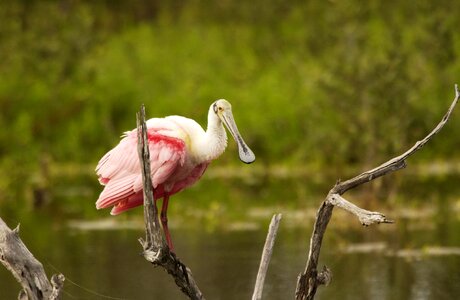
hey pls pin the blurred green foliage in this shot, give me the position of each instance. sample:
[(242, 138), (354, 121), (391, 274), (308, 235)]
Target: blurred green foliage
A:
[(317, 84)]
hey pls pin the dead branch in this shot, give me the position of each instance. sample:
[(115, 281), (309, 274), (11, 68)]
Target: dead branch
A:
[(310, 279), (27, 270), (156, 249), (266, 255), (365, 217)]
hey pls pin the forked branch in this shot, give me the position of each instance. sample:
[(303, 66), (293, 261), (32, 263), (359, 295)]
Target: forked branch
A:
[(310, 279), (156, 249)]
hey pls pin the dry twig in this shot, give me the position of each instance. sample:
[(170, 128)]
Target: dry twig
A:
[(310, 279)]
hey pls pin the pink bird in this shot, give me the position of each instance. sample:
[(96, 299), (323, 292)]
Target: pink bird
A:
[(180, 152)]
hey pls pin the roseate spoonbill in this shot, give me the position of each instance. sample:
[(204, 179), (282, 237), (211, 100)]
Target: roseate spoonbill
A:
[(180, 152)]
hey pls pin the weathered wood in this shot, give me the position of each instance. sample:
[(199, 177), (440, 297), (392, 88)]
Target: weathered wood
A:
[(310, 279), (27, 270), (156, 249), (153, 235), (266, 256), (365, 217)]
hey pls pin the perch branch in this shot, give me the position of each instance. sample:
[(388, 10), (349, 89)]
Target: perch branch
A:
[(266, 255), (27, 270), (154, 238), (310, 279), (156, 249)]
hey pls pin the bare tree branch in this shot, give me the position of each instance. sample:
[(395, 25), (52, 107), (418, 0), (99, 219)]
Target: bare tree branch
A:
[(156, 249), (310, 279), (266, 255), (27, 270), (154, 238), (365, 217), (397, 162)]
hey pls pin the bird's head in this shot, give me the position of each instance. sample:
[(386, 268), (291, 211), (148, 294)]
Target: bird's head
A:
[(223, 109)]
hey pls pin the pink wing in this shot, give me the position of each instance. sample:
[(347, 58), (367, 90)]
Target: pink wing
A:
[(193, 177), (138, 198), (119, 170)]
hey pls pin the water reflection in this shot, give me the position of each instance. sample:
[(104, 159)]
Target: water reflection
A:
[(225, 262)]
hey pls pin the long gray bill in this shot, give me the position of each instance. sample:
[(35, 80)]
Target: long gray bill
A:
[(246, 154)]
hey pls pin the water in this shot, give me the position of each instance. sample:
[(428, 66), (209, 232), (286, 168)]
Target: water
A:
[(381, 262), (219, 228)]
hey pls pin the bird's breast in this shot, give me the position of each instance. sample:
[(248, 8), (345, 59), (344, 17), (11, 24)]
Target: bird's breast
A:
[(185, 176)]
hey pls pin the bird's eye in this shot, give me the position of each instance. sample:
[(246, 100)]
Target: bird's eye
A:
[(220, 108)]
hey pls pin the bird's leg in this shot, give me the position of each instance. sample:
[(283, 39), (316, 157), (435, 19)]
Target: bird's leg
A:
[(164, 221)]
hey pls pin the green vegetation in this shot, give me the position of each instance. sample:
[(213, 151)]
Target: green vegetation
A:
[(332, 84)]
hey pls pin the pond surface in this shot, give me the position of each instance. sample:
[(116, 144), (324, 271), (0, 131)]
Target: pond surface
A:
[(412, 259)]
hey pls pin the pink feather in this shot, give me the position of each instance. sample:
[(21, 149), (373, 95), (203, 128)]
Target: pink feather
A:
[(119, 169)]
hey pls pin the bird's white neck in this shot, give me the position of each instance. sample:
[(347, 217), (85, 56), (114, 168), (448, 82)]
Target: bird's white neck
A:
[(214, 141)]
